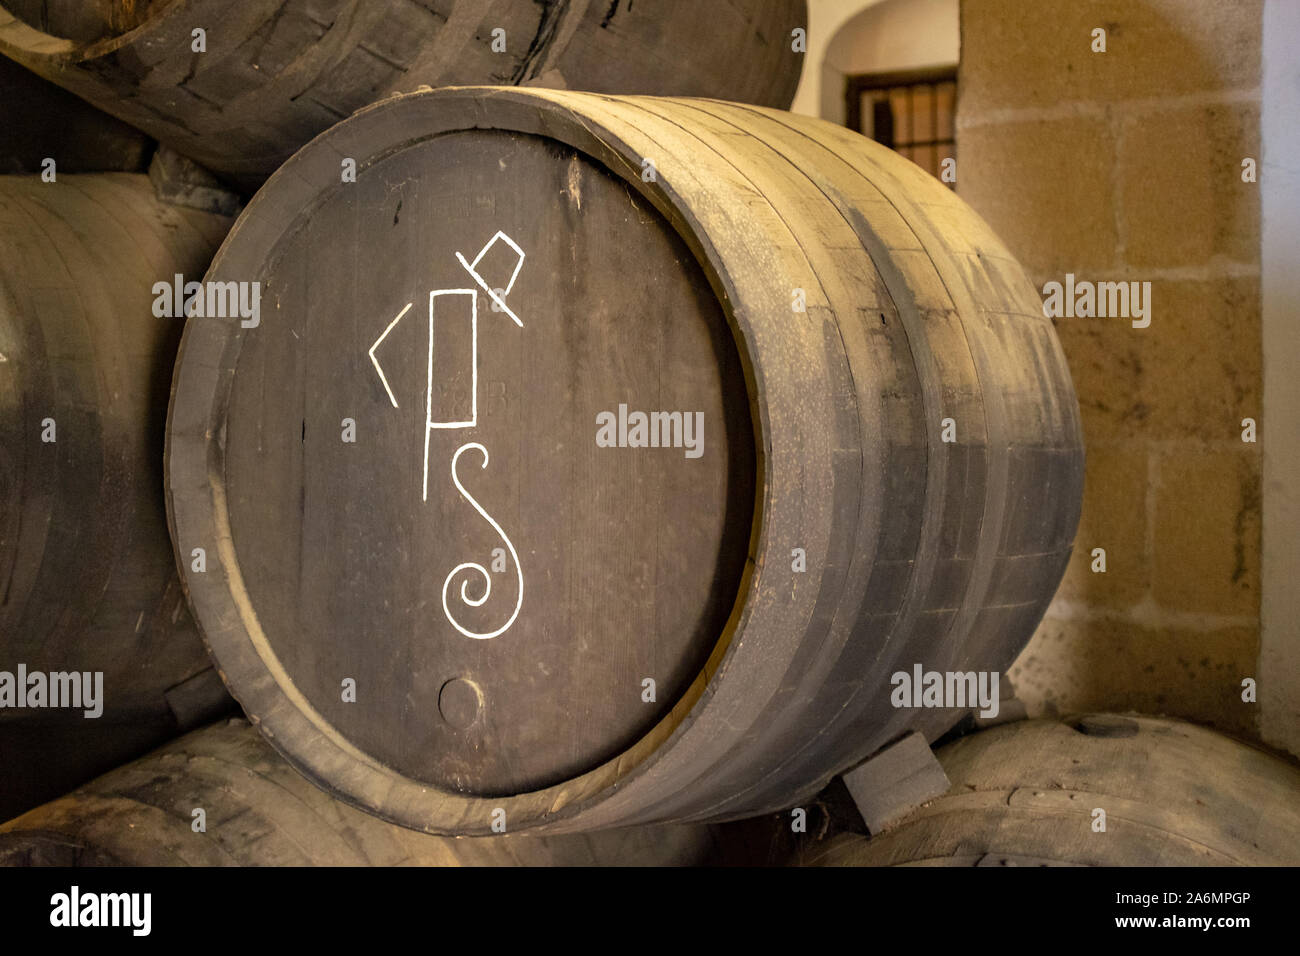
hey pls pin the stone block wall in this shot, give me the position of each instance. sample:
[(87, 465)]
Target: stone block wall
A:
[(1126, 165)]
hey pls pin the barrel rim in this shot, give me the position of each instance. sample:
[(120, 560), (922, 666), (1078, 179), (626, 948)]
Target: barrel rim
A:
[(247, 663), (24, 42)]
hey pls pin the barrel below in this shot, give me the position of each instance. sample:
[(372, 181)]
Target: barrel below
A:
[(255, 810), (1098, 790)]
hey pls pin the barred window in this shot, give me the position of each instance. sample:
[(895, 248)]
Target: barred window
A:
[(910, 112)]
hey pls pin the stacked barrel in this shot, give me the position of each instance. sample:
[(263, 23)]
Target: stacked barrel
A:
[(239, 85), (88, 583), (1094, 790), (541, 456), (400, 482), (222, 797)]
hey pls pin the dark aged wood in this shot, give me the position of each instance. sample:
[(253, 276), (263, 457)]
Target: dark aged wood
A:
[(325, 563), (1024, 794), (259, 812), (631, 560), (39, 121), (87, 577), (277, 72)]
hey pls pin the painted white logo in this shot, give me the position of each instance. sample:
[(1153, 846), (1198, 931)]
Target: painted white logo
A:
[(498, 298), (470, 565), (472, 269)]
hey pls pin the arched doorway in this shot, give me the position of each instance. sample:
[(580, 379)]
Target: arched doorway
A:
[(888, 69)]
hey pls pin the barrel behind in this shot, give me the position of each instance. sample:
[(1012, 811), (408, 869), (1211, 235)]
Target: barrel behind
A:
[(87, 577), (257, 811), (274, 73), (449, 567), (1028, 794)]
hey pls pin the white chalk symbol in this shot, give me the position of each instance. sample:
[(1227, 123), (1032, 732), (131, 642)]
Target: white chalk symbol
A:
[(472, 269), (497, 296), (470, 565)]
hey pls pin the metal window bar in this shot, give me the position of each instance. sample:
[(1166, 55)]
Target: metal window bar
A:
[(884, 122)]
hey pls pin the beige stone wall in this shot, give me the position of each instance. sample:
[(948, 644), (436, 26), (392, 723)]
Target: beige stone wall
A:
[(1126, 165)]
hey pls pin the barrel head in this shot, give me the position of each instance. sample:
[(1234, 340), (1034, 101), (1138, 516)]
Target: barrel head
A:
[(421, 494)]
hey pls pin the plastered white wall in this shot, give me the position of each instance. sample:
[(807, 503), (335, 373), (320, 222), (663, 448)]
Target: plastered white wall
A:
[(865, 36), (1279, 180)]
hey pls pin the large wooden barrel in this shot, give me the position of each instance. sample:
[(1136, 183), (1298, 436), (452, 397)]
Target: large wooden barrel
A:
[(258, 812), (1029, 794), (87, 575), (274, 73), (591, 457)]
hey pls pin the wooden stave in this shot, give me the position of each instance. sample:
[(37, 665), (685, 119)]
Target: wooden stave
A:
[(580, 803), (988, 648), (129, 75), (1026, 791)]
